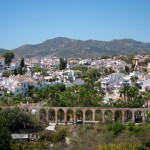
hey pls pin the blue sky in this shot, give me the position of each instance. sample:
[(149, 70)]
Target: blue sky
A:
[(34, 21)]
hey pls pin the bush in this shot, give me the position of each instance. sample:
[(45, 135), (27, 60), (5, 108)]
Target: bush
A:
[(16, 119), (118, 147), (7, 73), (61, 87), (116, 128), (131, 126), (53, 137)]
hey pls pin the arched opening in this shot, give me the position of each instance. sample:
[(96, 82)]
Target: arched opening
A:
[(33, 111), (27, 110), (128, 116), (51, 115), (88, 115), (98, 115), (42, 115), (118, 116), (79, 115), (138, 116), (70, 116), (147, 116), (60, 116), (108, 116)]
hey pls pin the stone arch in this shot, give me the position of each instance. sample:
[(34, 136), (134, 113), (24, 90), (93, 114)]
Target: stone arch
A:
[(128, 116), (108, 116), (138, 116), (118, 116), (79, 114), (88, 115), (42, 115), (51, 115), (98, 115), (70, 115), (60, 114)]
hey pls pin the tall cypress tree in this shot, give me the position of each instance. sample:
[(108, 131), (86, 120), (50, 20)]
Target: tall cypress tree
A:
[(22, 63), (63, 63)]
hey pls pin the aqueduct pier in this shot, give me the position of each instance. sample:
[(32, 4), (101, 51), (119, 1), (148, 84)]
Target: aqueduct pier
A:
[(86, 114)]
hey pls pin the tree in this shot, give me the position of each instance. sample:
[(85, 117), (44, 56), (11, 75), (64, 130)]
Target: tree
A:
[(134, 79), (17, 99), (44, 72), (22, 63), (37, 69), (15, 72), (7, 73), (127, 69), (105, 57), (128, 59), (63, 63), (8, 57), (16, 119), (55, 137), (61, 87), (93, 74), (5, 135), (20, 71), (146, 61)]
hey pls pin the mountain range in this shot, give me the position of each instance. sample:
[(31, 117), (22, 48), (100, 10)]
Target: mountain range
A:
[(65, 47)]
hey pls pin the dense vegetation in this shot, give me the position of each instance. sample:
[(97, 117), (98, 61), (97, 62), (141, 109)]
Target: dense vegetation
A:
[(18, 121), (110, 137), (101, 137), (86, 95), (95, 137)]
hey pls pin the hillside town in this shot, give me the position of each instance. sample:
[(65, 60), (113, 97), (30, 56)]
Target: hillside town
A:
[(115, 72)]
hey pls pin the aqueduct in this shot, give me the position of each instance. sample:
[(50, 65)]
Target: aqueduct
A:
[(86, 114)]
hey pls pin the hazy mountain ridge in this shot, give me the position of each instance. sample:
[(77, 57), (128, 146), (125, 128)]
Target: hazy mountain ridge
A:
[(66, 47), (2, 51)]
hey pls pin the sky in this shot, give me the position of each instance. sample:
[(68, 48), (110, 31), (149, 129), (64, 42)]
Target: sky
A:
[(34, 21)]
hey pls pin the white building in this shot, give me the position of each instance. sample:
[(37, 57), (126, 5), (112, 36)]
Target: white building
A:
[(2, 64), (17, 84), (14, 65), (111, 81)]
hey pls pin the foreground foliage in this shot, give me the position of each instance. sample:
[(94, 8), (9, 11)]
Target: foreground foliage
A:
[(5, 134), (118, 147), (16, 119)]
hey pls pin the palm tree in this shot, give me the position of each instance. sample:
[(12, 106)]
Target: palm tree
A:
[(134, 80), (17, 99)]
